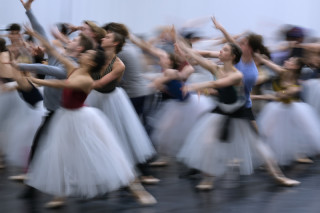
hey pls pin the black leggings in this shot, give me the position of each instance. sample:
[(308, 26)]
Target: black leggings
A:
[(38, 134)]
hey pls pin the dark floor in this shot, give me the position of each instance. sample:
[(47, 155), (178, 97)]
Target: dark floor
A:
[(256, 193)]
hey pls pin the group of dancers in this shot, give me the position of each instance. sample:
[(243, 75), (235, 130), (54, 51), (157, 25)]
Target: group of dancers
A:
[(89, 120)]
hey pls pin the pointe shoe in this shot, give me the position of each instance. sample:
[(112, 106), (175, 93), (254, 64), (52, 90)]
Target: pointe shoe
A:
[(149, 180), (18, 178), (284, 181), (204, 187), (158, 163), (56, 203), (304, 160), (145, 198), (206, 184)]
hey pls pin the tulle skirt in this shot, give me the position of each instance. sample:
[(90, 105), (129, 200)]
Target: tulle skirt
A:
[(206, 151), (118, 108), (175, 119), (311, 93), (291, 130), (19, 123), (79, 156)]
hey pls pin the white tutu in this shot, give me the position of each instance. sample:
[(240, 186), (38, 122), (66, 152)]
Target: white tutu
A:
[(311, 93), (175, 119), (291, 130), (205, 151), (118, 108), (20, 123), (79, 156)]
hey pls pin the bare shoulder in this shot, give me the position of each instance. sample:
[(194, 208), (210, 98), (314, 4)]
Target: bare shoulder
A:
[(119, 64), (238, 73), (84, 79), (5, 57)]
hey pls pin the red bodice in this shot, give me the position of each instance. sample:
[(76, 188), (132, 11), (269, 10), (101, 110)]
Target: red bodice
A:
[(73, 99)]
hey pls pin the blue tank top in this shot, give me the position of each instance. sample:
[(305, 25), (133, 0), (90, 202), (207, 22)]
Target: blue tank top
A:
[(174, 89), (250, 75)]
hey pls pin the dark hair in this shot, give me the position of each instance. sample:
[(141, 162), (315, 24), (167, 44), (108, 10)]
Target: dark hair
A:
[(14, 27), (3, 47), (62, 27), (294, 33), (300, 64), (30, 39), (120, 32), (255, 41), (174, 61), (236, 51), (99, 60), (86, 42)]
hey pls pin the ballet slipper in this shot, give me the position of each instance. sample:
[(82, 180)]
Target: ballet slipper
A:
[(304, 160), (18, 178), (143, 197), (55, 203), (158, 163), (284, 181), (149, 180), (206, 184)]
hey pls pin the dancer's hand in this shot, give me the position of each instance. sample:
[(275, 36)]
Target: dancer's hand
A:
[(157, 84), (28, 30), (73, 28), (217, 25), (27, 5), (186, 89)]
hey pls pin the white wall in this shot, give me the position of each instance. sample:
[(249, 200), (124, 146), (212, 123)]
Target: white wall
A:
[(142, 16)]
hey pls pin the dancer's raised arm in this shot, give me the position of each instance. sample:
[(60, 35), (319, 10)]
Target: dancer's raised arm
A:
[(64, 60)]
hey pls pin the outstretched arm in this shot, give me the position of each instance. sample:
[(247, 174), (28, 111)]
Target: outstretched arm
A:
[(218, 26), (43, 69), (33, 20), (116, 73), (64, 60), (208, 53), (314, 47), (205, 63), (36, 26), (148, 47), (268, 97), (79, 83), (5, 68), (233, 79), (278, 69)]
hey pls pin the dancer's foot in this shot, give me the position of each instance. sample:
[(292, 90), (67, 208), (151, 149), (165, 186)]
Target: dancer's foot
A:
[(149, 180), (18, 178), (2, 165), (304, 160), (158, 163), (284, 181), (55, 203), (143, 197), (206, 184)]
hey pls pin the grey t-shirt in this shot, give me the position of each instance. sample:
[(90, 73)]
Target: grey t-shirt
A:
[(133, 81)]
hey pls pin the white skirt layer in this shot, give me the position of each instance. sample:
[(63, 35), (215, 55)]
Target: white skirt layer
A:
[(311, 93), (204, 150), (118, 108), (175, 119), (19, 123), (79, 156), (291, 130)]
